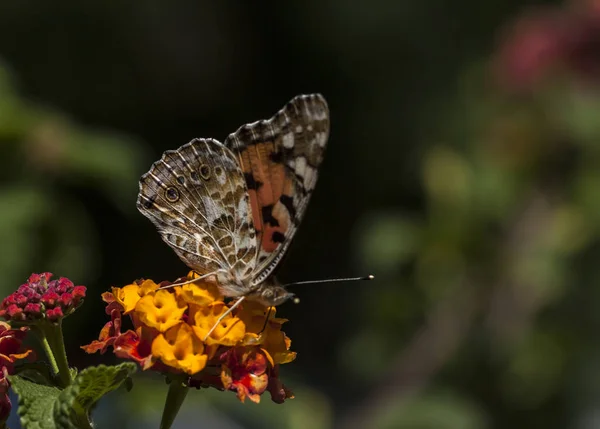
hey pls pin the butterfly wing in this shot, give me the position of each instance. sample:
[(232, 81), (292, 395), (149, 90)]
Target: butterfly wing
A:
[(196, 197), (279, 158)]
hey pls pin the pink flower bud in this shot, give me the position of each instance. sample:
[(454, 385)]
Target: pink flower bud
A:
[(54, 314), (50, 298)]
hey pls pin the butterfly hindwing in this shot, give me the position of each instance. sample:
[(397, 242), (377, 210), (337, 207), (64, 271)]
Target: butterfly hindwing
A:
[(196, 196), (279, 159)]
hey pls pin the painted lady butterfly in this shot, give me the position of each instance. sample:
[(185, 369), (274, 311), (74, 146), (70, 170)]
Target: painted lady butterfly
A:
[(230, 210)]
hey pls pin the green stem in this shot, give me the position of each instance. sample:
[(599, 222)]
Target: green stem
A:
[(51, 337), (175, 398), (47, 349)]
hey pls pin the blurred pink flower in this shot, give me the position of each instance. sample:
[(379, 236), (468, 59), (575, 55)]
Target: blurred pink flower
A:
[(545, 42)]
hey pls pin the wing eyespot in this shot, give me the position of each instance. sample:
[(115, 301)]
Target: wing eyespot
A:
[(205, 172), (172, 194)]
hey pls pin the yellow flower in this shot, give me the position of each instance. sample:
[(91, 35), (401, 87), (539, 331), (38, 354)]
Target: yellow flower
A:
[(253, 314), (147, 286), (199, 293), (128, 296), (277, 344), (160, 310), (229, 331), (268, 335), (180, 349)]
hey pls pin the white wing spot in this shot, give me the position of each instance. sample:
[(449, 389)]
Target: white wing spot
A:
[(221, 178), (320, 114), (321, 139), (309, 174), (288, 140), (299, 128), (300, 166)]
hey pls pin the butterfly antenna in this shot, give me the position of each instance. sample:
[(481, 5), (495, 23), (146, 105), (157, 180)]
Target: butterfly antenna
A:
[(348, 279)]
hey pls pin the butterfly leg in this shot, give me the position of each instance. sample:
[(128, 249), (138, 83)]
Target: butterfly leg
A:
[(229, 310), (266, 321), (188, 281)]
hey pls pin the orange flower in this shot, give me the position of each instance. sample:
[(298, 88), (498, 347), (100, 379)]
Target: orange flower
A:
[(129, 295), (131, 345), (160, 310), (5, 404), (193, 293), (11, 350), (109, 333), (245, 372), (230, 330), (11, 347), (268, 335), (180, 349), (169, 327)]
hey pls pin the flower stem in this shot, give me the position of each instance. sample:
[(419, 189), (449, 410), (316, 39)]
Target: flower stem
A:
[(175, 397), (51, 337), (47, 349)]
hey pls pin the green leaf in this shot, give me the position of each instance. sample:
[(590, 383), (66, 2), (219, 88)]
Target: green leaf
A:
[(90, 385), (37, 372), (36, 403), (47, 407)]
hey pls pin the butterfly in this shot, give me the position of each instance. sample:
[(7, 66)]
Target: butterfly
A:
[(230, 210)]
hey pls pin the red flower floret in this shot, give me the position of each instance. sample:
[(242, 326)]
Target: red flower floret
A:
[(11, 350), (244, 371)]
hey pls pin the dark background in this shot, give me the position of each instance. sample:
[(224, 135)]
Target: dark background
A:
[(462, 170)]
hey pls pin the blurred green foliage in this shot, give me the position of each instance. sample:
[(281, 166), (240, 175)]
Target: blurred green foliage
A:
[(43, 153)]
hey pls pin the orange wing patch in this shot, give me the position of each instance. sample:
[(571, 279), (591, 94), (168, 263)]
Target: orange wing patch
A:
[(267, 183), (280, 158)]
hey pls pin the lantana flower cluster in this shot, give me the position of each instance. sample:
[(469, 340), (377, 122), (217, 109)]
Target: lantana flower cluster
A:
[(41, 298), (34, 303), (242, 354)]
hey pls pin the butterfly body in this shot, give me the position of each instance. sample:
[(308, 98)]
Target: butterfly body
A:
[(231, 209)]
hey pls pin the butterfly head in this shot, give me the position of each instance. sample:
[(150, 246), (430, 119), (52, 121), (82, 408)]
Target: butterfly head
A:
[(270, 293)]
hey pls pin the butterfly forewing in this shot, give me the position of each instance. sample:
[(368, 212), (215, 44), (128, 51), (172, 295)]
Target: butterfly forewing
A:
[(233, 208), (279, 159), (196, 196)]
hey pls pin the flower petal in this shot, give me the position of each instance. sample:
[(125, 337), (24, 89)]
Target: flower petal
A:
[(199, 293), (131, 345), (244, 371), (160, 310), (180, 349), (229, 331), (127, 296), (108, 334), (279, 393)]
